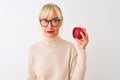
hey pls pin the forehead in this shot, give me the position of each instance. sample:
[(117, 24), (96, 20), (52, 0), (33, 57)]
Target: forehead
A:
[(51, 15)]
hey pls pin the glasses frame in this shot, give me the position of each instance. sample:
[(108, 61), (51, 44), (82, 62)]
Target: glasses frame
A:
[(50, 21)]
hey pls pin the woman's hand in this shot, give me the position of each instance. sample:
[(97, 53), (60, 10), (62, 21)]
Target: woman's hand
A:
[(82, 43)]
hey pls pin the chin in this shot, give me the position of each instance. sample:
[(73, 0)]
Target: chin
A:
[(50, 36)]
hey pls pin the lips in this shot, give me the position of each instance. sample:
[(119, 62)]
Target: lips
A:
[(50, 31)]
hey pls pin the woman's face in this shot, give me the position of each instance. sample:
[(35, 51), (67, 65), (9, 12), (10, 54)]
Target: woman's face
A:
[(50, 30)]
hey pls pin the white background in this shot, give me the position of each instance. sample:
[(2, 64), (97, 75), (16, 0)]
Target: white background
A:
[(19, 29)]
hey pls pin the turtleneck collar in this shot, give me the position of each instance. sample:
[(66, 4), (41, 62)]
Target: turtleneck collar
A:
[(51, 42)]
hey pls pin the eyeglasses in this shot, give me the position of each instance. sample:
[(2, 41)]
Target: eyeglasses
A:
[(53, 22)]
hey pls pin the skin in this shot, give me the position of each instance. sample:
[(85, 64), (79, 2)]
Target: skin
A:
[(82, 43), (55, 30)]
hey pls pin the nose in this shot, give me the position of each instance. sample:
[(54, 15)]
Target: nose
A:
[(49, 25)]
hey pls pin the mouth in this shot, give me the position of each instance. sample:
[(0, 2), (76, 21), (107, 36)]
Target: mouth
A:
[(50, 31)]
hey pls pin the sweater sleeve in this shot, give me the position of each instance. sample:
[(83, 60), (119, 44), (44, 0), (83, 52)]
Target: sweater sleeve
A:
[(31, 74), (78, 65)]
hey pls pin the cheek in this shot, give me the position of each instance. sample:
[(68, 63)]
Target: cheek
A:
[(43, 29), (57, 29)]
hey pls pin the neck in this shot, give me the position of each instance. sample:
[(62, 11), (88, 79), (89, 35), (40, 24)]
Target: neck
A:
[(50, 41)]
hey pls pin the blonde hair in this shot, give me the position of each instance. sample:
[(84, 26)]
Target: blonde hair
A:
[(48, 9)]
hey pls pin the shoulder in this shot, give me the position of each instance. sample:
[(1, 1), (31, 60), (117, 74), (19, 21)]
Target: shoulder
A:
[(67, 43), (70, 47), (35, 45)]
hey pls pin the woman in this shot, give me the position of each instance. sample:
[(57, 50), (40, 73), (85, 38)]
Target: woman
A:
[(54, 58)]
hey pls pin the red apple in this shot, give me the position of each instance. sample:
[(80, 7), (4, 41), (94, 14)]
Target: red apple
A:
[(76, 32)]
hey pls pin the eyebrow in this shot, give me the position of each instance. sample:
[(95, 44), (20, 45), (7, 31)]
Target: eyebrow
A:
[(53, 18)]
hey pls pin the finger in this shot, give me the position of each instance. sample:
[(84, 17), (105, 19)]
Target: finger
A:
[(78, 40), (83, 35), (86, 34)]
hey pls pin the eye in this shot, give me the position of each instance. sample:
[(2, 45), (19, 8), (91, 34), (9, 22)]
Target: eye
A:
[(55, 20), (43, 20)]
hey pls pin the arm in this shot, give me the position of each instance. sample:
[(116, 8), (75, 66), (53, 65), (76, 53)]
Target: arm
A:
[(78, 65), (81, 63), (78, 71), (31, 74)]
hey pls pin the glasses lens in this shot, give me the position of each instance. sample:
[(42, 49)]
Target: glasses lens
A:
[(44, 22), (55, 22)]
